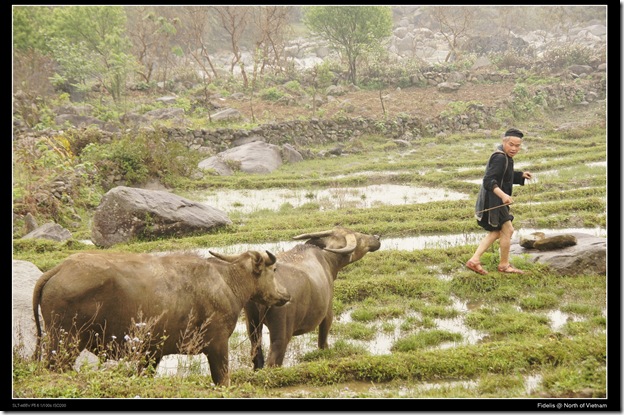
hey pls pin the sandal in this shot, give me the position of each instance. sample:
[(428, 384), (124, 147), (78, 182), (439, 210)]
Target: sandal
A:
[(509, 269), (476, 267)]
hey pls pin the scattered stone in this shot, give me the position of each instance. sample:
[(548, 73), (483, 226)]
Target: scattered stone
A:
[(50, 230), (254, 157), (86, 360), (24, 277), (31, 222), (555, 242), (448, 86)]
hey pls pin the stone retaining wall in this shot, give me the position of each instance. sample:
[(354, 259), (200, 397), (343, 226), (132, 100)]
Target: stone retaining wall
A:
[(318, 131), (315, 131)]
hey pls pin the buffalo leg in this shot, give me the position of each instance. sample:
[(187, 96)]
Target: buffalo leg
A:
[(254, 331), (218, 355), (324, 331), (277, 350)]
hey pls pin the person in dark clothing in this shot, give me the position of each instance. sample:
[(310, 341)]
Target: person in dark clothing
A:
[(492, 206)]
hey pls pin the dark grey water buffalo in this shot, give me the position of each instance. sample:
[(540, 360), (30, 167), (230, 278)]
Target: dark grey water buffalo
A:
[(106, 292), (308, 272)]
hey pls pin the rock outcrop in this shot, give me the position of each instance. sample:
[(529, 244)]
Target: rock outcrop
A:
[(587, 256), (127, 213), (52, 231), (254, 157), (24, 277)]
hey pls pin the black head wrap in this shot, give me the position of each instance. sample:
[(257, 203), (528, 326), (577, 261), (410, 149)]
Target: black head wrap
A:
[(514, 132)]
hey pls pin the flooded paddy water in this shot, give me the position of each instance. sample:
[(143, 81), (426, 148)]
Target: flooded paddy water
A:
[(248, 201)]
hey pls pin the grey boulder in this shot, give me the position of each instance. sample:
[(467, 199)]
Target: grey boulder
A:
[(127, 213)]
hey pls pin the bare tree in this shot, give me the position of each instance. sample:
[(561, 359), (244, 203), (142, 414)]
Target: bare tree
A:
[(143, 44), (197, 34), (234, 20), (270, 25), (151, 34), (455, 23)]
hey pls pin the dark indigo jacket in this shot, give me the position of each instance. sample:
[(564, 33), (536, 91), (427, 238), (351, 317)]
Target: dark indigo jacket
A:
[(498, 172)]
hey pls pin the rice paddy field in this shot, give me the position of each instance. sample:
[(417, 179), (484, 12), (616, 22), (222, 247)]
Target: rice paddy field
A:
[(412, 324)]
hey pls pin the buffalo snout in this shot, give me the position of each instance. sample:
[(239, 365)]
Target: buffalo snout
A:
[(283, 297), (375, 243), (272, 295)]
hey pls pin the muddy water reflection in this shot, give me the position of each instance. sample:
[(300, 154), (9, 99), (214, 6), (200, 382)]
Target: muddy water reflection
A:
[(558, 319), (457, 325), (372, 390)]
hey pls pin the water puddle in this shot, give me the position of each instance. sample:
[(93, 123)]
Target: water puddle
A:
[(387, 173), (182, 365), (531, 383), (248, 201), (372, 390), (567, 169), (383, 340), (410, 243), (558, 319), (457, 325)]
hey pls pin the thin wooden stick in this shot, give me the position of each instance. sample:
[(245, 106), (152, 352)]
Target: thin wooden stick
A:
[(492, 208)]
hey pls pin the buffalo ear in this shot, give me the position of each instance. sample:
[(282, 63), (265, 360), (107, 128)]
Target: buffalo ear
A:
[(257, 262)]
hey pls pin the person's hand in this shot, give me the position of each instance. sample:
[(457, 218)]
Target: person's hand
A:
[(527, 175), (507, 200)]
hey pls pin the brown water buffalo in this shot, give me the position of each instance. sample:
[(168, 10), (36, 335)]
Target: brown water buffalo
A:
[(105, 292), (307, 272)]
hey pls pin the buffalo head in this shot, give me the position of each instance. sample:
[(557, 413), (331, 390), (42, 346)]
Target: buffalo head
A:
[(262, 266), (343, 241)]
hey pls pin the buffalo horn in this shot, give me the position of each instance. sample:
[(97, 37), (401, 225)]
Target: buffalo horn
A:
[(350, 247), (272, 258), (224, 257), (314, 235)]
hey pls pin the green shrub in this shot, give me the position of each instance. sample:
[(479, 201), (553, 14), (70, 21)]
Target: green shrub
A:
[(570, 54), (294, 86), (271, 94), (136, 159)]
